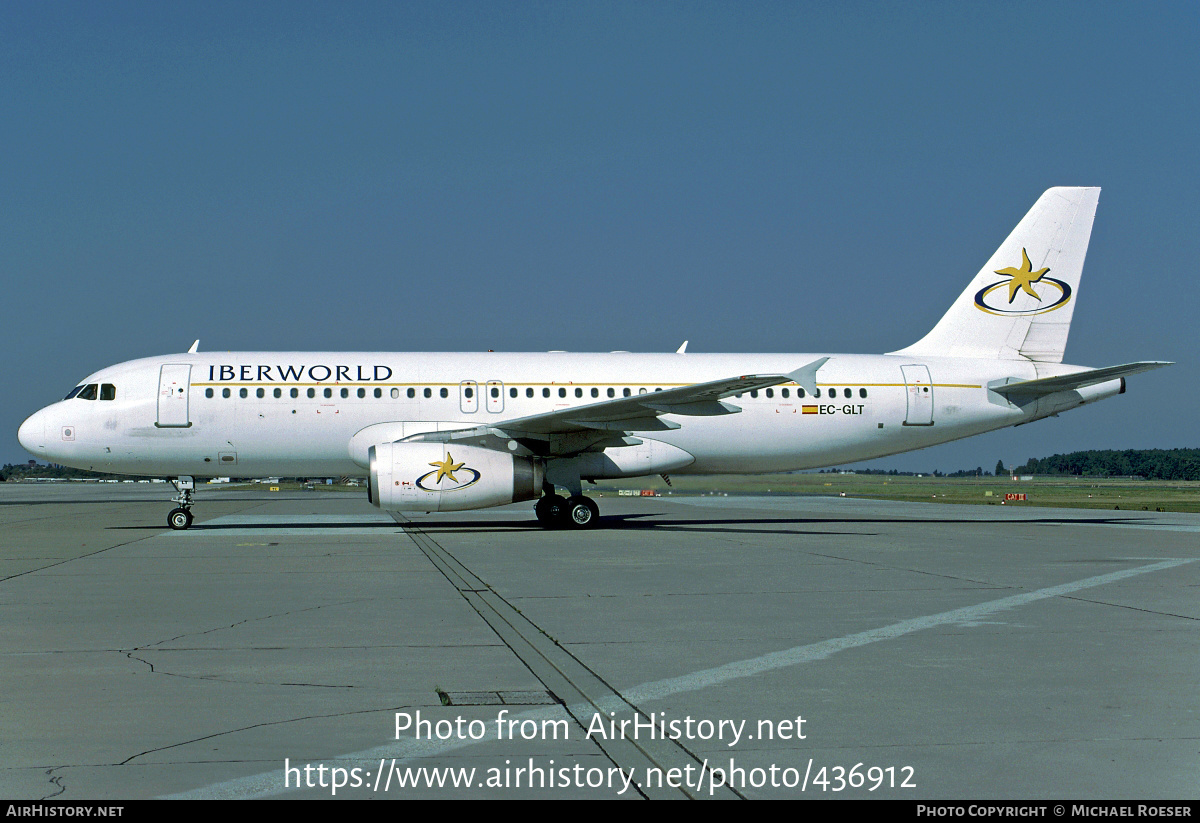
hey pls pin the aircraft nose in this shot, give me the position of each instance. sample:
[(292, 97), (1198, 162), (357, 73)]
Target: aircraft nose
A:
[(32, 434)]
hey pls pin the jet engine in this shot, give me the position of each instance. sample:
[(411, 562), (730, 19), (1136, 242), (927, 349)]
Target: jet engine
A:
[(445, 477)]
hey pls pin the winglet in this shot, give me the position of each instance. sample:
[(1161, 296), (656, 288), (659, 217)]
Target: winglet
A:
[(195, 347), (682, 349), (806, 376)]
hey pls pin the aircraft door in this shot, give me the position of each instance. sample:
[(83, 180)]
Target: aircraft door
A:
[(174, 383), (468, 396), (919, 389), (495, 396)]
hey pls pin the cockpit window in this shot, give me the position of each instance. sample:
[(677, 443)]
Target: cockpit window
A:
[(74, 392), (108, 391), (88, 393)]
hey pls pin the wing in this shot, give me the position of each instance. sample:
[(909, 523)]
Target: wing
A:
[(597, 425), (1077, 380)]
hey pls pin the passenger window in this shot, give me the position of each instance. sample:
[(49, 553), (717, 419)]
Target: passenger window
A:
[(261, 393), (224, 392), (786, 394), (329, 392), (379, 393), (529, 392), (396, 393), (346, 392), (799, 392), (862, 392), (428, 393), (208, 392), (595, 392), (295, 392), (562, 392), (627, 393), (77, 390), (770, 392), (88, 393), (512, 392), (545, 392), (754, 392), (411, 393), (444, 393), (278, 392), (817, 393), (847, 393), (362, 393), (312, 392), (108, 391), (243, 393), (495, 392), (612, 392), (469, 393), (641, 391), (579, 392)]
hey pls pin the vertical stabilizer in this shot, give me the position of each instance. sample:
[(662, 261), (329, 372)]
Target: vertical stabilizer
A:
[(1020, 304)]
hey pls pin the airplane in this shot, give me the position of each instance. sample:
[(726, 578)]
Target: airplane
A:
[(457, 431)]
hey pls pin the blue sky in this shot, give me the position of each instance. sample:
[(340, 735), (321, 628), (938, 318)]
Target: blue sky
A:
[(810, 177)]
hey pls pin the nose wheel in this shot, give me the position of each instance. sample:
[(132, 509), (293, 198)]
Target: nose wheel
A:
[(181, 517)]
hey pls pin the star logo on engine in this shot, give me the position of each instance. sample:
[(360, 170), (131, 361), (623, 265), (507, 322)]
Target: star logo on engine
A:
[(447, 468)]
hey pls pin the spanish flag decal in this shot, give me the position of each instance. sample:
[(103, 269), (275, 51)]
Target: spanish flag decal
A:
[(810, 409)]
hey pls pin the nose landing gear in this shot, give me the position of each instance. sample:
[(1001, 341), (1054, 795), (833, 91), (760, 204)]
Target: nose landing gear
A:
[(181, 516)]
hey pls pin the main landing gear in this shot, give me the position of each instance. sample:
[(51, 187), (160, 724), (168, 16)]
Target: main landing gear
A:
[(181, 517), (575, 512)]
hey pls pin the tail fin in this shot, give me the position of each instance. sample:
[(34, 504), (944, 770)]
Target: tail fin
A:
[(1020, 304)]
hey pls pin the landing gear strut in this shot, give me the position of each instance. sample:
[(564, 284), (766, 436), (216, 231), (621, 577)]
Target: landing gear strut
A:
[(181, 517)]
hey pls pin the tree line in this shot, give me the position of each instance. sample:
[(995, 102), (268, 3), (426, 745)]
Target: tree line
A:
[(1152, 464)]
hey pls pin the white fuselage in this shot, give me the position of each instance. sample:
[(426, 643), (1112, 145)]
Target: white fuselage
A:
[(221, 415)]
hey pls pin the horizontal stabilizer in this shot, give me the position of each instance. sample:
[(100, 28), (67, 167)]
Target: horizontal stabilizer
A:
[(1078, 380)]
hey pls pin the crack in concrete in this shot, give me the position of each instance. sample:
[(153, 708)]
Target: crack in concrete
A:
[(131, 758), (878, 565), (217, 679), (251, 620), (55, 780), (1132, 608), (73, 559)]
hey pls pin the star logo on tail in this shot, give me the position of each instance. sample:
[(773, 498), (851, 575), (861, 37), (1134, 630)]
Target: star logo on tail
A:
[(1023, 278), (990, 298)]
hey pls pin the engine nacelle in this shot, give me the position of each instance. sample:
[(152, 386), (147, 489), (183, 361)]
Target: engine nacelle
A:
[(446, 477)]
